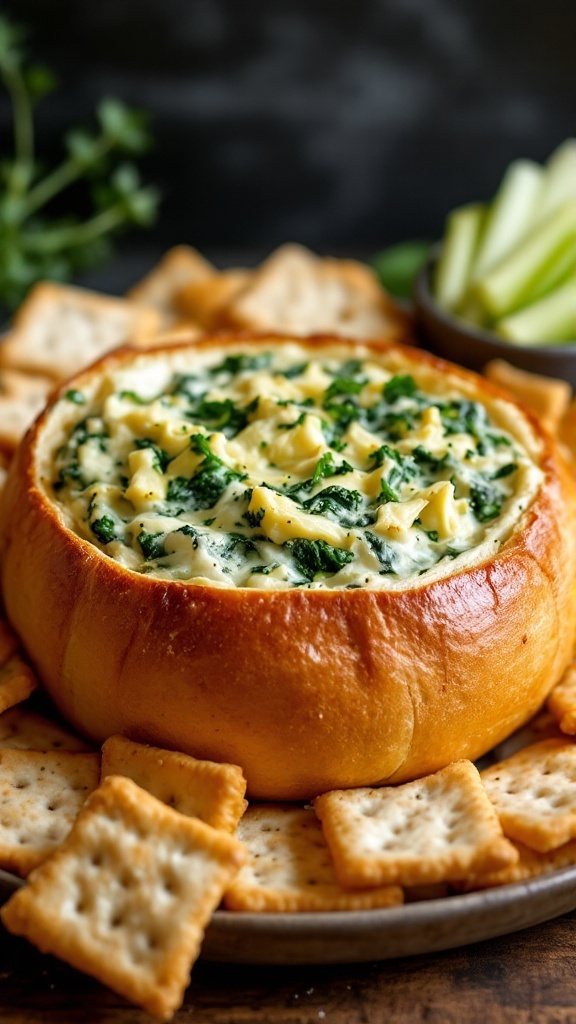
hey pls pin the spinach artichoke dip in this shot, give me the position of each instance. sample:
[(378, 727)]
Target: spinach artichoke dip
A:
[(283, 466)]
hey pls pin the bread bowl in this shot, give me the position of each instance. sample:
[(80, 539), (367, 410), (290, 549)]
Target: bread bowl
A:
[(329, 563)]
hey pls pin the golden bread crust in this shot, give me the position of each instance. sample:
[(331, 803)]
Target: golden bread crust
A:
[(307, 690)]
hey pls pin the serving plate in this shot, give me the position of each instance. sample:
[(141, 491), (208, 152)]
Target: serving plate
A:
[(368, 935)]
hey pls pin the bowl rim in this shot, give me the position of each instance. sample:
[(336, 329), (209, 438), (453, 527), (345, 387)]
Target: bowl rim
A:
[(424, 300)]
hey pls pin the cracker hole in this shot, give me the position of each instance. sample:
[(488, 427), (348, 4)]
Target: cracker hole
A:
[(23, 840), (97, 859), (54, 805), (117, 921), (370, 812), (80, 906), (21, 784)]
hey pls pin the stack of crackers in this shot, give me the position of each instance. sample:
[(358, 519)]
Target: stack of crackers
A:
[(126, 852), (60, 330)]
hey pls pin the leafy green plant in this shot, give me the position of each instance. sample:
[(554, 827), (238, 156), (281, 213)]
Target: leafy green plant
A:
[(34, 242)]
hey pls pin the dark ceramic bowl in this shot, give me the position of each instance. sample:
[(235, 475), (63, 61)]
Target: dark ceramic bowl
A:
[(473, 347)]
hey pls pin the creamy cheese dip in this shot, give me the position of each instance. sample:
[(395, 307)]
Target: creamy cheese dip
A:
[(276, 467)]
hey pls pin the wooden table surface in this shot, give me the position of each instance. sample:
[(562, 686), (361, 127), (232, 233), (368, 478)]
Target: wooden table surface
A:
[(526, 978)]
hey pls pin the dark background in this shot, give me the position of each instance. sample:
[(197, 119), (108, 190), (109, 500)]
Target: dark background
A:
[(343, 124)]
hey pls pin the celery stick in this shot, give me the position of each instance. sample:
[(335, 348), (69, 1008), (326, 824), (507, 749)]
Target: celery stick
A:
[(509, 214), (552, 319), (558, 182), (560, 270), (471, 311), (461, 236), (504, 287)]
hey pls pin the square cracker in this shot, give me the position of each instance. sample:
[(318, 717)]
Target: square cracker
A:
[(206, 299), (60, 329), (22, 397), (299, 293), (199, 789), (127, 896), (562, 701), (436, 829), (290, 867), (40, 795), (530, 864), (179, 267), (21, 729), (534, 793), (17, 682)]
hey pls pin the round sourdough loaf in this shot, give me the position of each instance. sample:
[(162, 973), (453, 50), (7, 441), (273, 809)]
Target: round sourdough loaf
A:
[(308, 686)]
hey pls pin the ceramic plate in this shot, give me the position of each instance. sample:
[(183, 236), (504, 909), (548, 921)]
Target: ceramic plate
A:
[(368, 935)]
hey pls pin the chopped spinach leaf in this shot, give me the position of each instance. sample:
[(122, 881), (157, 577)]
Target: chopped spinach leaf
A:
[(104, 529), (291, 372), (404, 469), (342, 386), (393, 424), (265, 570), (433, 462), (485, 500), (132, 396), (71, 472), (208, 484), (316, 556), (242, 362), (498, 439), (189, 531), (461, 416), (383, 551), (507, 470), (224, 416), (351, 368), (338, 503), (254, 518), (342, 414), (387, 493), (161, 458), (294, 423), (200, 491), (325, 467), (152, 545), (73, 395), (199, 444), (399, 386)]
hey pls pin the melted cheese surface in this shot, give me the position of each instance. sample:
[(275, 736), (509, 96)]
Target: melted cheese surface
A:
[(276, 467)]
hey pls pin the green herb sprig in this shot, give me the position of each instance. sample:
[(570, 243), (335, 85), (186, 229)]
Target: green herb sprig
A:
[(35, 244)]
